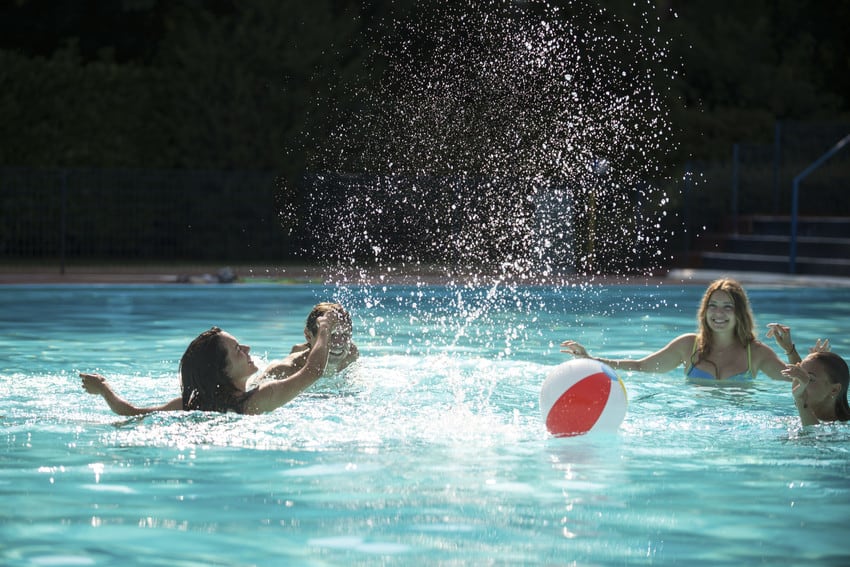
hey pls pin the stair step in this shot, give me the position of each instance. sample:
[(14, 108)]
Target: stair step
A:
[(776, 244), (762, 243), (838, 227), (775, 263)]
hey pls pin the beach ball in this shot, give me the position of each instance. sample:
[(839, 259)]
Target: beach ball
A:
[(582, 395)]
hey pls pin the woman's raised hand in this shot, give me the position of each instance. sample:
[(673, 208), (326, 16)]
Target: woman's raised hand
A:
[(782, 334), (574, 348)]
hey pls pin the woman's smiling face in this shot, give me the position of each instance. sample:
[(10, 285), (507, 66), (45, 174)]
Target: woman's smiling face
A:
[(720, 314)]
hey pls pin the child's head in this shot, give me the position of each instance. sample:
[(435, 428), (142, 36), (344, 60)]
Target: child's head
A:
[(327, 307), (340, 340)]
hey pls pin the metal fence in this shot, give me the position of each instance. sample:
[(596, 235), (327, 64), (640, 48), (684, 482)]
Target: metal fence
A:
[(94, 215), (57, 214), (109, 214), (758, 178)]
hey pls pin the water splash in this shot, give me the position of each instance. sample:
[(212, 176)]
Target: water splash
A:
[(508, 144)]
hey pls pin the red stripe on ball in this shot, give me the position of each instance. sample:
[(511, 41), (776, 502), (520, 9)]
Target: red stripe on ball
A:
[(577, 410)]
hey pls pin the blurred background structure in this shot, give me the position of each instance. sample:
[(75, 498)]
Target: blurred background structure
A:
[(195, 130)]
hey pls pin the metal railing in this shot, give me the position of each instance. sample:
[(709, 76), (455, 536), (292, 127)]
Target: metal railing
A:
[(795, 198)]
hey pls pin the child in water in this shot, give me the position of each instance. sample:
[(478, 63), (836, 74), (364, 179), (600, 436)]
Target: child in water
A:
[(342, 351), (819, 386)]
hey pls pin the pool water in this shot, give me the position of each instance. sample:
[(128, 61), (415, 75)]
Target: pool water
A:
[(429, 450)]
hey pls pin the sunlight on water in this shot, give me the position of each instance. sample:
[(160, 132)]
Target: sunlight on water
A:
[(425, 451)]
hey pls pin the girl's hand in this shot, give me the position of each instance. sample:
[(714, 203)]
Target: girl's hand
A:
[(799, 382), (820, 346), (574, 348), (327, 323), (93, 383)]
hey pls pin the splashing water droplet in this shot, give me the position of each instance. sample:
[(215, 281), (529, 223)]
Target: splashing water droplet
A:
[(508, 143)]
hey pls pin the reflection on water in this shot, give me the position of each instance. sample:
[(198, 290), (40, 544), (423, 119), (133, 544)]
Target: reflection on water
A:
[(421, 452)]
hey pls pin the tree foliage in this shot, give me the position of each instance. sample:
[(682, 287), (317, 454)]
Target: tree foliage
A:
[(747, 65), (227, 84)]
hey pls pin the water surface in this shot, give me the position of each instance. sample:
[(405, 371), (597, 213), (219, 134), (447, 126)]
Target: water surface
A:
[(430, 450)]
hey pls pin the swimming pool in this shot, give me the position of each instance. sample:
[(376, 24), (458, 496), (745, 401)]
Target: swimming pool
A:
[(430, 450)]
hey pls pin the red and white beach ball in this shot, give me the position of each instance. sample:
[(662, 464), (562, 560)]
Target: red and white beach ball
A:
[(582, 395)]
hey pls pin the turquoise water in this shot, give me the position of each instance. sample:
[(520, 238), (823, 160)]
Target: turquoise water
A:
[(430, 450)]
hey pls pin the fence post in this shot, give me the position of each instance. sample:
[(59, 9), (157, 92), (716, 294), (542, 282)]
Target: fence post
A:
[(777, 162), (63, 181), (736, 154)]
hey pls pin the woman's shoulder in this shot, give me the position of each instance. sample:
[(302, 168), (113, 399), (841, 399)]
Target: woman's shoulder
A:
[(687, 339), (681, 346)]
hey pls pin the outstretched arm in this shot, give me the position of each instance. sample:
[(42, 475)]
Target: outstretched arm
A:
[(272, 394), (664, 360), (280, 369), (767, 360), (96, 384)]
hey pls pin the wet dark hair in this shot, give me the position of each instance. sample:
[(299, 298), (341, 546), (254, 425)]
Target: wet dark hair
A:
[(836, 370), (206, 384)]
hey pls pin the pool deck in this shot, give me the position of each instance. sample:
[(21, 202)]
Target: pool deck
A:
[(295, 274)]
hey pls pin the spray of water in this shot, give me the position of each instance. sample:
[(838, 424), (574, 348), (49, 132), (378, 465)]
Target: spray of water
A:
[(509, 144)]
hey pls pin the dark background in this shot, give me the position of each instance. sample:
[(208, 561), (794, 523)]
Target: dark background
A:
[(222, 107)]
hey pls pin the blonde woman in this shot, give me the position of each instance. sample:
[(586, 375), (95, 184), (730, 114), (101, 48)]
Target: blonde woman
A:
[(724, 348)]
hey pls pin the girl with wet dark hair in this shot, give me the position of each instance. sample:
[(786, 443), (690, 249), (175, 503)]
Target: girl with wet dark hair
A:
[(215, 370), (819, 386)]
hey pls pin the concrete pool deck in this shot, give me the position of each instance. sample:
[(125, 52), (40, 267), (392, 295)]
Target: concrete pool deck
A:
[(294, 274)]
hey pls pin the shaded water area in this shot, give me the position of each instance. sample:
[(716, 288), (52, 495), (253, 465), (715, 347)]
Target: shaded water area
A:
[(429, 450)]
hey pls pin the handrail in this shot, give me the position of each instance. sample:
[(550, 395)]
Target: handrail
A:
[(795, 198)]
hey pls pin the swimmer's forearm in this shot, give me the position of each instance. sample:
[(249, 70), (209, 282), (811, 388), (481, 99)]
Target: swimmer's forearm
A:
[(119, 405), (273, 394), (652, 363), (96, 384), (280, 369), (317, 360), (623, 364), (793, 355)]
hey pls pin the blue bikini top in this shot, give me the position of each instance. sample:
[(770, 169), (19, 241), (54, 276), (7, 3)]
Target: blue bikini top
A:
[(747, 376)]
